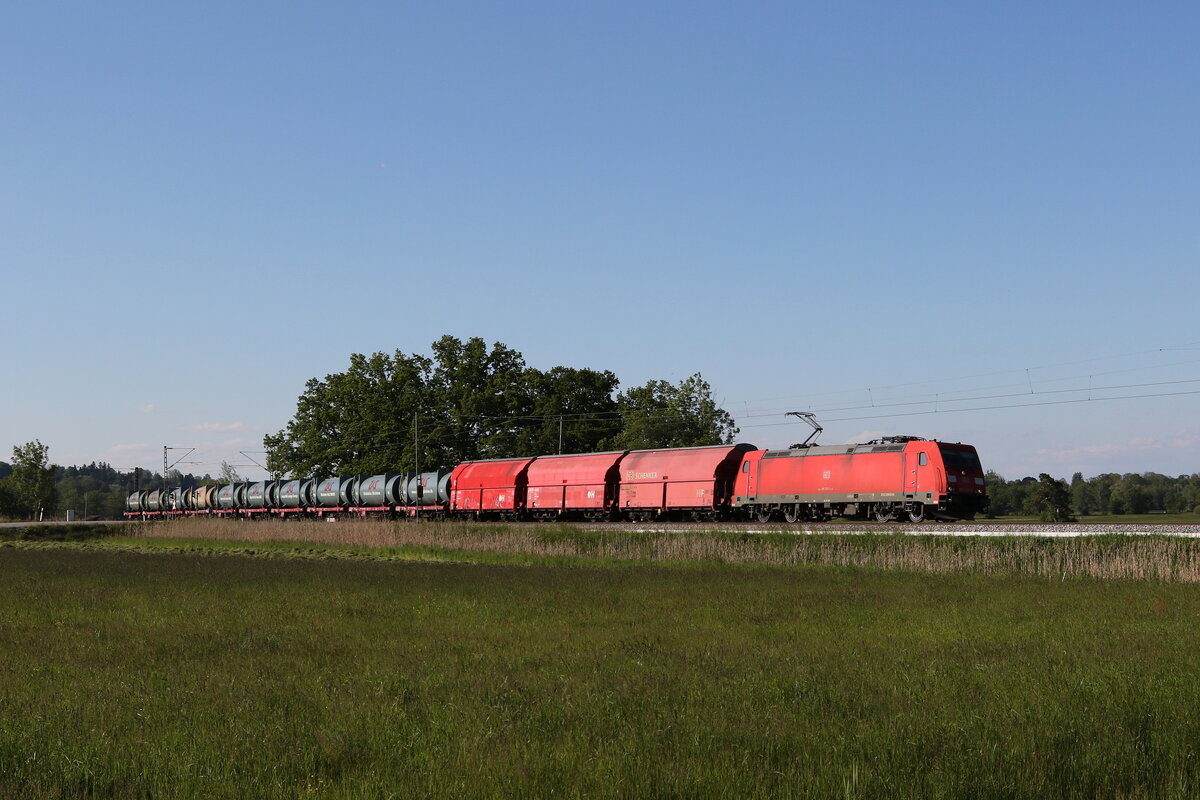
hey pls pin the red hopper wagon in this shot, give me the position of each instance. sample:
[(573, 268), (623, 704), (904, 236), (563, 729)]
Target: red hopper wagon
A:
[(697, 481), (584, 484), (489, 488)]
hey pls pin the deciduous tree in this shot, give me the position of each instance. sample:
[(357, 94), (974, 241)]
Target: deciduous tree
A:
[(471, 401), (32, 479), (660, 414), (576, 403), (1053, 499), (229, 474), (357, 421)]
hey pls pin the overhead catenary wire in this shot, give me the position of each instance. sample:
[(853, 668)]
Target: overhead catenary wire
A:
[(990, 408), (1039, 367), (971, 393), (939, 400)]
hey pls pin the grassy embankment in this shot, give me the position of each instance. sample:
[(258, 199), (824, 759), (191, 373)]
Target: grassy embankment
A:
[(1160, 558), (166, 673)]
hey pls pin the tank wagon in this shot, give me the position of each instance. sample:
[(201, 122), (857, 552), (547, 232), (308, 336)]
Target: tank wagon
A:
[(894, 479), (358, 495)]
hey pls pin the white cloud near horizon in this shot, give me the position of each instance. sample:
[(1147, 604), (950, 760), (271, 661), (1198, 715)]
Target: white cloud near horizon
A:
[(214, 427), (1081, 456)]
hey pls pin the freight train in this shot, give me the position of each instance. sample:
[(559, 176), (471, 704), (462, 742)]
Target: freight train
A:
[(892, 479)]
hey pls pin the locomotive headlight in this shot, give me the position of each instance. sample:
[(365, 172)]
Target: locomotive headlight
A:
[(979, 481), (952, 478)]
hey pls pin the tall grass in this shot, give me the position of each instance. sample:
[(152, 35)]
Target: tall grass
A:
[(1111, 557)]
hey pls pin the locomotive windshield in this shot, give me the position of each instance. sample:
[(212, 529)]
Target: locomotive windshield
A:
[(961, 459)]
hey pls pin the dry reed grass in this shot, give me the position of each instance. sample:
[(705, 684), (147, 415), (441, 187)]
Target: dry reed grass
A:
[(1111, 557)]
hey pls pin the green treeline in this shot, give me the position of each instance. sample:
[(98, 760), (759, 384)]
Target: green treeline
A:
[(94, 490), (468, 401), (1109, 493)]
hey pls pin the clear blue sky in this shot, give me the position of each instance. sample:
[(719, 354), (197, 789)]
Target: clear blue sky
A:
[(816, 205)]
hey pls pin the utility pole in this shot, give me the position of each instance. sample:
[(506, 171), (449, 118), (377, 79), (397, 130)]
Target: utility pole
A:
[(137, 487), (166, 486), (560, 429), (417, 466)]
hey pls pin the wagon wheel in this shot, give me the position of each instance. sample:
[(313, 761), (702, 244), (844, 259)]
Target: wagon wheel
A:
[(916, 513), (762, 513), (883, 513), (791, 513)]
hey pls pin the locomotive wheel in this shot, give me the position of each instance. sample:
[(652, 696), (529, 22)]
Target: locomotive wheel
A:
[(916, 513), (883, 514), (762, 514), (791, 513)]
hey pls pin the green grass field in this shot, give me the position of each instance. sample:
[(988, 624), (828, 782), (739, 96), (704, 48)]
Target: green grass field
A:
[(151, 668), (173, 674)]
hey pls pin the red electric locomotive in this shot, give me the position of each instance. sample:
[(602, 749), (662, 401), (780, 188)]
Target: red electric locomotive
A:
[(888, 479)]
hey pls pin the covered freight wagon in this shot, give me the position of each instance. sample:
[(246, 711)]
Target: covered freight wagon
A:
[(489, 488), (697, 481), (585, 484)]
